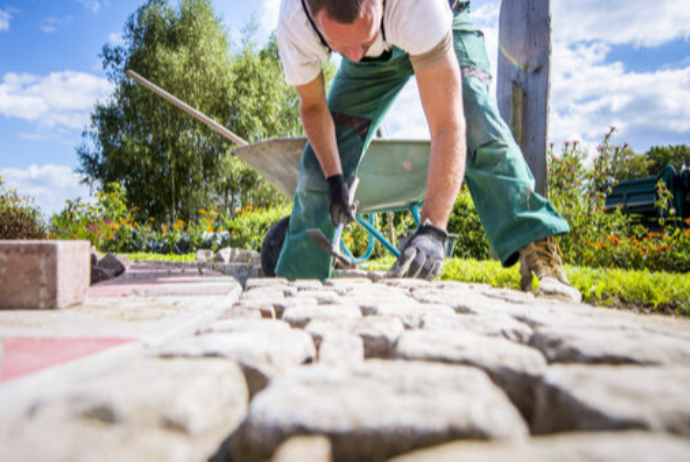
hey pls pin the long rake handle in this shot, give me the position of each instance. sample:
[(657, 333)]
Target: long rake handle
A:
[(187, 108)]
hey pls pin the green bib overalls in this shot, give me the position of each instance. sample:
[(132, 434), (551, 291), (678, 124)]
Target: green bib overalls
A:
[(496, 173)]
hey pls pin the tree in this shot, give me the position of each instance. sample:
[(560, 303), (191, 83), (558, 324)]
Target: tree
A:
[(661, 156), (170, 164)]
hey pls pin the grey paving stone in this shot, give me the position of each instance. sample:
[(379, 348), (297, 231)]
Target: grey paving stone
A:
[(377, 410), (515, 368), (348, 285), (609, 346), (300, 316), (498, 325), (265, 307), (307, 284), (241, 313), (340, 349), (245, 325), (263, 293), (177, 394), (586, 398), (410, 314), (407, 283), (262, 355), (378, 333), (576, 447), (304, 448), (255, 283), (87, 441), (282, 305), (368, 300)]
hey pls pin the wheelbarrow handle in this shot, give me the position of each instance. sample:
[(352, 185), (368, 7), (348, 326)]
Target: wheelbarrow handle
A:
[(187, 108)]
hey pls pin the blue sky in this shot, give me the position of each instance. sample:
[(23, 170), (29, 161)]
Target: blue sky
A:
[(619, 62)]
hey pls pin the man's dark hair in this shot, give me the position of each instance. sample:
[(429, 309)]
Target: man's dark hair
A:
[(342, 11)]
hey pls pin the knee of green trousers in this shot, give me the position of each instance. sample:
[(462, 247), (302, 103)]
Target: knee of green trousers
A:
[(500, 182)]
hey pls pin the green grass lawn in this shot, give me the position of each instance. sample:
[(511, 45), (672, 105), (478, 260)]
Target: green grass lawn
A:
[(640, 290)]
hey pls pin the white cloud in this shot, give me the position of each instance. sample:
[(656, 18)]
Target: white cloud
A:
[(588, 92), (116, 39), (4, 20), (59, 99), (50, 25), (93, 5), (49, 185), (269, 15), (637, 22)]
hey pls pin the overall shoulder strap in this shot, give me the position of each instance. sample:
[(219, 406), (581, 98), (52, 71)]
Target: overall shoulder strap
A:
[(313, 25)]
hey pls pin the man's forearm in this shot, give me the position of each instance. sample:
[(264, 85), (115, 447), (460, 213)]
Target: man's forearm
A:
[(446, 171), (320, 130)]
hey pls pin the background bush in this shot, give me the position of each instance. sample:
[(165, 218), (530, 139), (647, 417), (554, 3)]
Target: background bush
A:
[(19, 217)]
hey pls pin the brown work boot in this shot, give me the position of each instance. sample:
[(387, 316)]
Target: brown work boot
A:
[(542, 258)]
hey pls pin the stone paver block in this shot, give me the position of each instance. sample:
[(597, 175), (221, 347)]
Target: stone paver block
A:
[(264, 307), (300, 316), (262, 355), (306, 284), (282, 305), (411, 315), (348, 285), (270, 293), (204, 256), (85, 440), (341, 349), (304, 448), (515, 368), (378, 333), (180, 395), (498, 325), (245, 325), (577, 447), (43, 275), (238, 312), (585, 398), (610, 346), (377, 409), (255, 283), (407, 284)]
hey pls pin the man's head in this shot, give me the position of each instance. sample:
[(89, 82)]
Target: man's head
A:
[(349, 26)]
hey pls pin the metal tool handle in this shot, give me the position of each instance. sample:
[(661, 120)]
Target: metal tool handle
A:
[(187, 108)]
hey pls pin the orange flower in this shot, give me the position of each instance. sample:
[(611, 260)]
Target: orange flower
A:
[(233, 231), (687, 220), (219, 230), (249, 207), (122, 221), (654, 234), (164, 228), (209, 229), (613, 239), (136, 225)]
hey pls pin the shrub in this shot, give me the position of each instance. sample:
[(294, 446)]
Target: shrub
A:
[(464, 221), (19, 217)]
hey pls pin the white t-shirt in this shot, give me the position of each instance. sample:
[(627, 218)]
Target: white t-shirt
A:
[(414, 26)]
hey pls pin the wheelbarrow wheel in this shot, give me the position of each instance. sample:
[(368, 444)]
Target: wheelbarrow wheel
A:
[(272, 245)]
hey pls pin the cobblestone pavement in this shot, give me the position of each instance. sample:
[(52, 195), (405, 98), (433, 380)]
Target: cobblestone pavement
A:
[(172, 364)]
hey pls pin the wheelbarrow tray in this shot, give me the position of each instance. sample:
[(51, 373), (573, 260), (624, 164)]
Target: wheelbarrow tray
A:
[(392, 174)]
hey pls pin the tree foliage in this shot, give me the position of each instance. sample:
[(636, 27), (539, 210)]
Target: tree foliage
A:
[(661, 156), (170, 164)]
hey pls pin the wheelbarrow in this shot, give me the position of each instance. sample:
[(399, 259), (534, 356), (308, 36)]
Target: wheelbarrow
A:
[(392, 174)]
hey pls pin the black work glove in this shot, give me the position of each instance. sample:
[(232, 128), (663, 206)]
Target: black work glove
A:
[(423, 255), (339, 201)]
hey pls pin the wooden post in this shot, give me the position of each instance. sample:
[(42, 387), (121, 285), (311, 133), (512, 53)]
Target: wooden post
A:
[(523, 78)]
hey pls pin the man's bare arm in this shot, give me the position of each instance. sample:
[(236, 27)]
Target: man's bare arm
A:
[(440, 88), (318, 125)]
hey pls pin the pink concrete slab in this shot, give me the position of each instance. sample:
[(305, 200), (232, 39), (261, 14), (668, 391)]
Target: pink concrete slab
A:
[(43, 275), (153, 281), (27, 355)]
